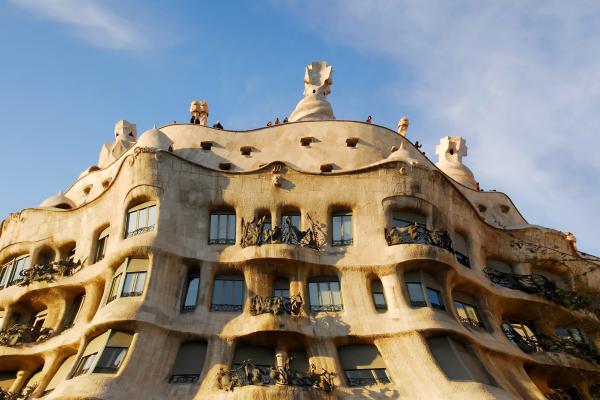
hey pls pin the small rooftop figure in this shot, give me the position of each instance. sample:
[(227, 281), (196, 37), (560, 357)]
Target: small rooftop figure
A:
[(277, 121), (285, 120), (368, 121), (218, 125), (403, 126), (269, 123), (199, 111)]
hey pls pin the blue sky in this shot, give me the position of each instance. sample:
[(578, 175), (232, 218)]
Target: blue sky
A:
[(520, 81)]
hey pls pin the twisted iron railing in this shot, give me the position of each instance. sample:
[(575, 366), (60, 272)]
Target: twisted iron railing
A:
[(419, 234), (250, 374), (184, 378), (472, 322), (276, 305), (527, 344), (563, 394), (48, 272), (24, 394), (19, 334), (258, 232), (542, 286), (140, 231), (569, 346)]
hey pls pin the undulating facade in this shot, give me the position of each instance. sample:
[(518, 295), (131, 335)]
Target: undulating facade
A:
[(312, 259)]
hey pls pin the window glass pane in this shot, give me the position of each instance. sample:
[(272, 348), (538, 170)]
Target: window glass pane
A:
[(324, 294), (379, 300), (314, 293), (335, 292), (114, 287), (217, 292), (139, 283), (472, 313), (231, 228), (222, 226), (111, 359), (281, 293), (227, 292), (337, 228), (435, 298), (4, 274), (214, 222), (132, 221), (238, 292), (192, 292), (151, 215), (415, 292), (460, 309), (143, 218), (347, 228), (128, 285), (101, 248)]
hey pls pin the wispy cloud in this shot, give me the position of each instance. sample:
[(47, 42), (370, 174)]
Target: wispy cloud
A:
[(520, 80), (90, 20)]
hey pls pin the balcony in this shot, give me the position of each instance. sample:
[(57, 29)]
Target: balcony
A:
[(258, 232), (542, 286), (570, 346), (49, 272), (276, 305), (249, 374), (20, 334), (418, 234)]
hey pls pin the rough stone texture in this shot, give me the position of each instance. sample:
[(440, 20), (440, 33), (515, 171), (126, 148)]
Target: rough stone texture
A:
[(171, 168)]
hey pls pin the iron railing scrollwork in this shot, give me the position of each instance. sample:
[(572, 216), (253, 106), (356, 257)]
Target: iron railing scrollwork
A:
[(527, 344), (184, 378), (250, 374), (276, 305), (258, 232), (24, 394), (418, 234), (226, 307), (48, 272), (570, 346), (462, 259), (472, 322), (563, 394), (542, 286), (20, 334), (131, 294), (141, 230), (316, 308)]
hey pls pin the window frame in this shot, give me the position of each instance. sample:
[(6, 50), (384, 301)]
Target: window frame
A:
[(217, 239), (99, 369), (321, 306), (467, 320), (191, 277), (134, 283), (101, 245), (231, 306), (79, 370), (378, 306), (151, 210), (343, 216)]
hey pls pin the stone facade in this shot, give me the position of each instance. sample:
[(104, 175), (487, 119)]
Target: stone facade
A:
[(142, 241)]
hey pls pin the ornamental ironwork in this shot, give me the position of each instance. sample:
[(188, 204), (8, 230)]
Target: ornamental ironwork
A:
[(527, 344), (542, 286), (24, 394), (570, 346), (418, 234), (20, 334), (326, 308), (226, 307), (48, 272), (250, 374), (563, 394), (140, 231), (276, 305), (259, 231), (472, 322), (184, 378)]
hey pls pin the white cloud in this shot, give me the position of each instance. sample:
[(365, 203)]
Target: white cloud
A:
[(90, 20), (520, 80)]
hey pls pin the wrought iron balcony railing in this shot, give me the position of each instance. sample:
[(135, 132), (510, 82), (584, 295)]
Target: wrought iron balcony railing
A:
[(24, 394), (184, 378), (131, 294), (367, 377), (227, 307), (542, 286), (49, 272), (250, 374), (316, 308), (20, 334), (140, 231), (418, 234), (258, 232), (573, 347), (276, 305), (462, 259), (472, 322), (527, 344)]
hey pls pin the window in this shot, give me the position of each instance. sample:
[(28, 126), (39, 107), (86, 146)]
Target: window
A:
[(363, 365), (111, 359), (457, 363), (114, 288), (265, 227), (435, 298), (325, 294), (281, 288), (11, 271), (290, 227), (222, 228), (570, 335), (423, 290), (192, 287), (461, 250), (262, 357), (467, 314), (61, 373), (403, 219), (189, 362), (101, 245), (141, 219), (342, 229), (134, 284), (84, 365), (39, 319), (378, 295), (499, 266), (522, 335), (74, 311), (228, 293)]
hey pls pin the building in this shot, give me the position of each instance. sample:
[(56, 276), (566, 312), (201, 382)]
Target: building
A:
[(314, 259)]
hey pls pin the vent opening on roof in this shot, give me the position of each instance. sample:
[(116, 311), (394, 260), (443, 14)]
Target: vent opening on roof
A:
[(225, 166), (352, 142), (306, 141), (206, 145), (246, 150), (326, 167)]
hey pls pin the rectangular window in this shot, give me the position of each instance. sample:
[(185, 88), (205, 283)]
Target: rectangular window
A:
[(74, 311), (281, 293), (228, 295), (101, 248), (20, 265), (222, 228), (191, 295), (415, 293), (378, 295), (111, 359), (4, 273), (325, 296), (84, 365), (140, 220), (134, 284), (467, 314), (114, 288), (367, 377), (342, 229), (435, 298)]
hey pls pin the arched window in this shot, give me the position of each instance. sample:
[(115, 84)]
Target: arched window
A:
[(45, 257), (290, 226), (222, 227), (10, 274), (456, 361), (104, 354), (101, 245), (61, 374), (423, 290), (129, 279), (325, 294), (192, 286), (281, 288), (228, 293), (363, 365), (141, 219), (378, 295), (261, 357), (189, 362), (341, 225), (461, 249)]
